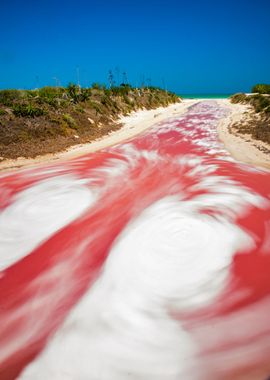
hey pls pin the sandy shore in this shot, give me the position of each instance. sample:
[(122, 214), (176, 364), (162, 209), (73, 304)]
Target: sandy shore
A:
[(241, 147), (133, 124)]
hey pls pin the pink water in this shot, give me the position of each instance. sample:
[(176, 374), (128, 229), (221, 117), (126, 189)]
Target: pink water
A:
[(147, 260)]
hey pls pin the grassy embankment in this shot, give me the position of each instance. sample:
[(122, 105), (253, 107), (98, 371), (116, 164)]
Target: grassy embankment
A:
[(50, 119), (258, 123)]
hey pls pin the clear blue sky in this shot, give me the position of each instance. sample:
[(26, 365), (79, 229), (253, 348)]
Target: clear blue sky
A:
[(196, 46)]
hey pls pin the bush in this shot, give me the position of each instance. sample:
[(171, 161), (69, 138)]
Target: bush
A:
[(80, 109), (50, 95), (31, 93), (122, 90), (96, 107), (73, 92), (96, 86), (239, 98), (8, 97), (85, 94), (126, 85), (27, 110), (127, 100), (261, 88), (50, 92), (70, 121), (259, 102), (106, 101)]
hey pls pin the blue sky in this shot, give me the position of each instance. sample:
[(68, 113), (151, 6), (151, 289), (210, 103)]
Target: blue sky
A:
[(195, 46)]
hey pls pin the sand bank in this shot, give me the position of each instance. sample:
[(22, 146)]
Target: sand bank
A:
[(242, 147), (133, 124)]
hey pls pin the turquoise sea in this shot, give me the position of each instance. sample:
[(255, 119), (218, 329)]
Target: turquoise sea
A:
[(205, 96)]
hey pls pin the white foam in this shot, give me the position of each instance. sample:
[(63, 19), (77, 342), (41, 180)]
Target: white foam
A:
[(38, 212), (172, 258), (169, 258)]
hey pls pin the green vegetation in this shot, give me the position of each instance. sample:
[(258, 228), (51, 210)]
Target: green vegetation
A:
[(50, 119), (27, 110), (260, 103), (8, 97), (261, 88), (258, 124), (70, 121)]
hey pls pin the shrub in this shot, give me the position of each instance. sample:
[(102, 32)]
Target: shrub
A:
[(259, 102), (70, 121), (119, 91), (239, 98), (105, 100), (126, 85), (8, 97), (50, 95), (73, 92), (31, 94), (27, 110), (107, 92), (96, 107), (261, 88), (80, 109), (96, 86), (85, 94), (50, 92), (127, 100)]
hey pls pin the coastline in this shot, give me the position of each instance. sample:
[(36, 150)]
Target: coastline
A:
[(241, 147)]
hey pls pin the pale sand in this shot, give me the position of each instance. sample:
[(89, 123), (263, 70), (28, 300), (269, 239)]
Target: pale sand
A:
[(133, 124), (242, 147)]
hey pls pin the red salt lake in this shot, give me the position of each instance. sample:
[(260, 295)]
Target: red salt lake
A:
[(146, 260)]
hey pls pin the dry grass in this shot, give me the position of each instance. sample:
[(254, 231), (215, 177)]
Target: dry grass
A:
[(258, 123), (52, 119)]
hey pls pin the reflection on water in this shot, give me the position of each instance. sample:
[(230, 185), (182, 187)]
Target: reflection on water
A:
[(149, 260)]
